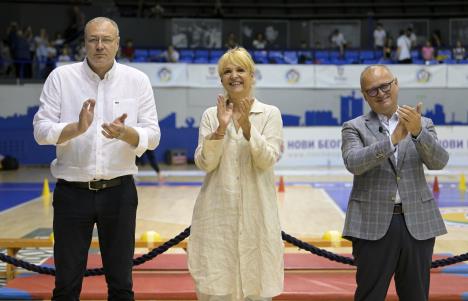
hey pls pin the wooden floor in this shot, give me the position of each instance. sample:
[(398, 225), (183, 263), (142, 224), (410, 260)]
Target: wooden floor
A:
[(305, 211)]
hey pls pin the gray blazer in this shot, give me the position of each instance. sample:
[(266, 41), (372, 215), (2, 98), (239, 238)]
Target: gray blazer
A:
[(367, 154)]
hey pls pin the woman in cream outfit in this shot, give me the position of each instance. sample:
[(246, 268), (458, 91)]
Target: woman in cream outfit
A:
[(235, 247)]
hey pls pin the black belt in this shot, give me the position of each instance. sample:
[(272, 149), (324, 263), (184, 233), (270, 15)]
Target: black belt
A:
[(398, 209), (95, 185)]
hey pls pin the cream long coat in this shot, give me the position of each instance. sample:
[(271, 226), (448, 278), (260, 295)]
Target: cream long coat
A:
[(235, 245)]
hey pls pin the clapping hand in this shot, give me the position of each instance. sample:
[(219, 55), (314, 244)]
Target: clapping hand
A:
[(411, 118), (224, 113), (116, 129), (86, 115)]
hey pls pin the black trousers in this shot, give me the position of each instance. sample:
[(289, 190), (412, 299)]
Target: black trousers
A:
[(399, 254), (76, 210)]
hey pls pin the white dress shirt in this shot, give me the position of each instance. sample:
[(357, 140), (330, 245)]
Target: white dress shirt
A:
[(91, 156), (390, 125), (235, 244)]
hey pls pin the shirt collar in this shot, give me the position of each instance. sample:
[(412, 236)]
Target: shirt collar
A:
[(384, 120), (92, 75), (256, 107)]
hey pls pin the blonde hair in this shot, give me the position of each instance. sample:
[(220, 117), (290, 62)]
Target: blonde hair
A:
[(237, 56)]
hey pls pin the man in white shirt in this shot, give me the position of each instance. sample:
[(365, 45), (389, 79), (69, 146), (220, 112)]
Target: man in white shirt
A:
[(99, 114), (379, 36), (404, 48)]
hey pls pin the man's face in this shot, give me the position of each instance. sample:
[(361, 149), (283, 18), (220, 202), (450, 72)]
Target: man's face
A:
[(102, 44), (380, 89)]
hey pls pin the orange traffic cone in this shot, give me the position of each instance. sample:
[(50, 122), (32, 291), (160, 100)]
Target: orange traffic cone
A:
[(281, 184), (435, 186)]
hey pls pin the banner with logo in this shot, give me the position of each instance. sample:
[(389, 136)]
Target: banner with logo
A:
[(338, 76), (321, 146), (164, 75), (284, 76), (420, 76), (203, 76), (457, 76)]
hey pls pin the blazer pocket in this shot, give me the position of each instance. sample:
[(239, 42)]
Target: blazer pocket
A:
[(426, 197), (128, 106)]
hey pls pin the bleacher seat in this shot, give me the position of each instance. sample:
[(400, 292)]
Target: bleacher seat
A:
[(378, 54), (260, 56), (366, 55), (290, 57), (186, 55), (352, 56), (415, 55), (155, 55), (276, 57), (215, 55), (140, 55), (334, 55), (321, 55), (201, 60)]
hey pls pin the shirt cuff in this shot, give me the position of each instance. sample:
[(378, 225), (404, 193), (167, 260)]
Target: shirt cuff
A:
[(54, 133), (212, 147), (142, 141), (417, 137)]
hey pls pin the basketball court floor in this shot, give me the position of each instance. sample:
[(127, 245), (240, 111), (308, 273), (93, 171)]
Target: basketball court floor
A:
[(313, 203)]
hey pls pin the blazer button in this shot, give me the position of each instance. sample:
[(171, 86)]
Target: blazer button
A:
[(398, 179)]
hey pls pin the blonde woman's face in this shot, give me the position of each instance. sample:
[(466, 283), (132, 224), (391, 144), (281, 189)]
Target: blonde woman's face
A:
[(236, 80)]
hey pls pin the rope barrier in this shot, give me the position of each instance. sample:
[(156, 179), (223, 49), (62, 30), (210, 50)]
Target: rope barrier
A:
[(184, 234)]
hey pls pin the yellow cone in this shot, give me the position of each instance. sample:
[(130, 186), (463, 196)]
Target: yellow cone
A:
[(333, 236), (462, 183), (45, 189), (151, 237), (51, 237)]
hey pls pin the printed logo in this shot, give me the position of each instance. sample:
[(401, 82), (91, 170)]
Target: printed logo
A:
[(292, 76), (423, 76), (164, 75)]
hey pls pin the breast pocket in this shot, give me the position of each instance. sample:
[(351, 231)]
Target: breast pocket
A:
[(128, 106)]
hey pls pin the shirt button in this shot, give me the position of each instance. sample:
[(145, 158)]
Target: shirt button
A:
[(398, 178)]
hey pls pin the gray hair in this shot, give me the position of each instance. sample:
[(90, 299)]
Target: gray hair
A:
[(102, 20), (368, 68)]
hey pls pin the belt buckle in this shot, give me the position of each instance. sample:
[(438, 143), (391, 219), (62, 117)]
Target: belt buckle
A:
[(92, 188)]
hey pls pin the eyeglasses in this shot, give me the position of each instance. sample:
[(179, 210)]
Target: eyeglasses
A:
[(384, 88), (104, 40)]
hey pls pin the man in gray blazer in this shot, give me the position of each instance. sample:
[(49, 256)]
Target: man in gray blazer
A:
[(392, 218)]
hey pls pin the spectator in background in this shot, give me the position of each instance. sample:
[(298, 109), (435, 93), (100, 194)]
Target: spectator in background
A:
[(171, 55), (42, 38), (458, 52), (58, 41), (412, 37), (65, 54), (80, 52), (259, 42), (6, 63), (231, 41), (337, 40), (42, 54), (21, 55), (379, 36), (388, 49), (404, 47), (29, 36), (128, 51), (428, 52)]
